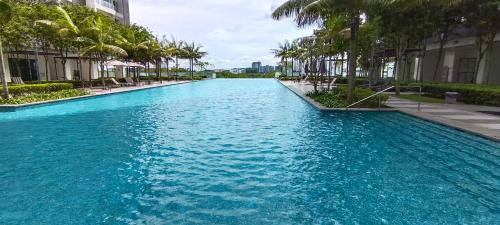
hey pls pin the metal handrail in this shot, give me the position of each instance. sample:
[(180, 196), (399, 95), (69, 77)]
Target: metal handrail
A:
[(385, 90), (371, 96)]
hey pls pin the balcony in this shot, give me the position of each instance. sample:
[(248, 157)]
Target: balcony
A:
[(106, 3)]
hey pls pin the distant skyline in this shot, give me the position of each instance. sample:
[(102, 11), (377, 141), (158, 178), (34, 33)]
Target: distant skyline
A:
[(235, 33)]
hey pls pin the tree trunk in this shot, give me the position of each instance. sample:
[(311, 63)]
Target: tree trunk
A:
[(102, 72), (286, 67), (46, 57), (442, 41), (5, 89), (354, 17), (90, 70)]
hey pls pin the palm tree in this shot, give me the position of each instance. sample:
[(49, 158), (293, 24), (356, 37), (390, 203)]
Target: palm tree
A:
[(178, 51), (193, 53), (312, 11), (134, 46), (99, 44), (282, 52), (67, 32), (5, 16), (167, 52)]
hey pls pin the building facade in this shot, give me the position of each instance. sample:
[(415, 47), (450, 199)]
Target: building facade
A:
[(34, 64), (257, 66), (460, 61), (119, 9)]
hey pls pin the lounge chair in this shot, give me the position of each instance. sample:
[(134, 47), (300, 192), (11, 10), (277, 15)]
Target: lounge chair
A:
[(332, 84), (17, 80), (130, 81), (116, 83)]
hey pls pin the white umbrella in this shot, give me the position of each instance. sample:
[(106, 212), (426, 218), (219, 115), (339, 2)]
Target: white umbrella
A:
[(115, 63), (134, 64)]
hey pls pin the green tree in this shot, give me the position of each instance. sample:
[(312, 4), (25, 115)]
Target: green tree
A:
[(100, 43), (5, 16), (282, 52), (194, 53)]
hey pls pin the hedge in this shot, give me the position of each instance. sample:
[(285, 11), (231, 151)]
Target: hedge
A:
[(468, 93), (39, 97), (25, 89)]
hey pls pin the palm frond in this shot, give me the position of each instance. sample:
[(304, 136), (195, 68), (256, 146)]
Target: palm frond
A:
[(114, 50)]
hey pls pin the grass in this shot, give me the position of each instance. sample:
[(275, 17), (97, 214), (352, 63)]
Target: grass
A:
[(423, 99)]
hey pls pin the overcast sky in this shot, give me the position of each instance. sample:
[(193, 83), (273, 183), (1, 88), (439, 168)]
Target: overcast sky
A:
[(235, 33)]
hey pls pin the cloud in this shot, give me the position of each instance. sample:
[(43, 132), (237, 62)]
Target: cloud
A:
[(237, 32)]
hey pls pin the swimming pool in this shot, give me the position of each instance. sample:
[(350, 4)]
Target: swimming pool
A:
[(238, 152)]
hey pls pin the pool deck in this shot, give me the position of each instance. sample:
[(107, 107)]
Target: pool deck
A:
[(468, 118), (95, 92), (301, 89)]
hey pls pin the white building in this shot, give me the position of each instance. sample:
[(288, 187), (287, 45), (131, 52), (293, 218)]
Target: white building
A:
[(48, 65)]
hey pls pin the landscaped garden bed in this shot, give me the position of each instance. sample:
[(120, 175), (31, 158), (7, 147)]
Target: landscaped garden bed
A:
[(337, 98), (30, 93)]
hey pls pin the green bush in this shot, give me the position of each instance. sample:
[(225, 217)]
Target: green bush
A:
[(46, 96), (468, 93), (337, 98), (25, 89)]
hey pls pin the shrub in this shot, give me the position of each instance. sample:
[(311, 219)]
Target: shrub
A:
[(468, 93), (337, 98), (18, 90), (46, 96)]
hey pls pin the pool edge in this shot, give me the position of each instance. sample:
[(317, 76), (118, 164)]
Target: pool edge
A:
[(479, 132), (13, 108)]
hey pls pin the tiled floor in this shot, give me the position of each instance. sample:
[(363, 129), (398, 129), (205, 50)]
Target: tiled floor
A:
[(465, 117)]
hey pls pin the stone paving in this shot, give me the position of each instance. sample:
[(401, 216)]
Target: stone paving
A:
[(465, 117)]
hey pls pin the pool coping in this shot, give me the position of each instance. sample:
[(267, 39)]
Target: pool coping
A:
[(326, 109), (13, 108), (457, 125), (453, 124)]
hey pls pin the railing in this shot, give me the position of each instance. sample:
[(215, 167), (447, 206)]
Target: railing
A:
[(380, 99)]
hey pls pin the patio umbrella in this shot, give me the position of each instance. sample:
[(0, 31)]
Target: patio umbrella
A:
[(134, 64), (115, 63)]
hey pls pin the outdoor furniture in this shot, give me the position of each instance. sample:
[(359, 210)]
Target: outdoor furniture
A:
[(130, 81), (17, 80), (451, 97), (116, 83)]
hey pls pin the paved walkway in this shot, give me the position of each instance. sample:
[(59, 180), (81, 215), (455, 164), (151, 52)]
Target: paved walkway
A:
[(464, 117), (101, 91)]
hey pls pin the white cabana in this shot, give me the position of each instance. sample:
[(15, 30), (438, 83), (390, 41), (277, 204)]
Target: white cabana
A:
[(115, 63)]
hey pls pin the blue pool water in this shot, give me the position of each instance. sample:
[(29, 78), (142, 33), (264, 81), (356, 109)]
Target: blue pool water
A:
[(238, 152)]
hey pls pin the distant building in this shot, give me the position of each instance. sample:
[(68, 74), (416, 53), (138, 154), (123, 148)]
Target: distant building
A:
[(268, 69), (238, 70), (257, 66)]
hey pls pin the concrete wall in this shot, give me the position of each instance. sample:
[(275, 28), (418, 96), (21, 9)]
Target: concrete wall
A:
[(55, 70), (457, 63)]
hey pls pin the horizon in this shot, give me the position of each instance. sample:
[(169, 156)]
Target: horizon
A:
[(234, 34)]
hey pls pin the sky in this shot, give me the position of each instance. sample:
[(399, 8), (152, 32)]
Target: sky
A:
[(235, 33)]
